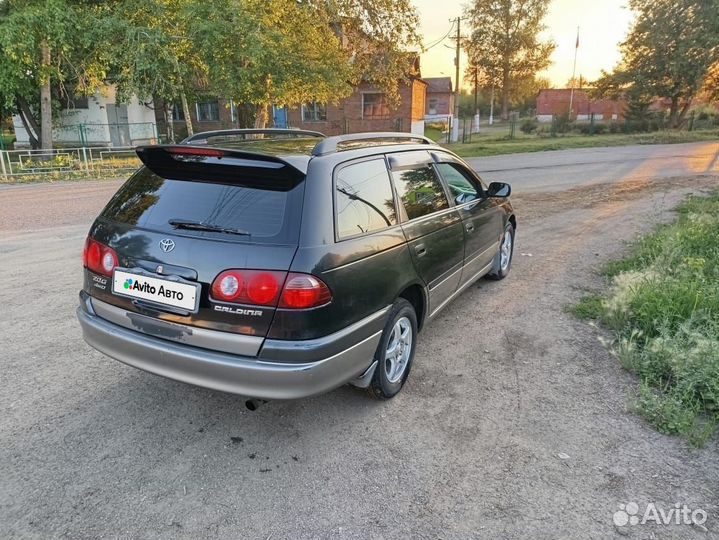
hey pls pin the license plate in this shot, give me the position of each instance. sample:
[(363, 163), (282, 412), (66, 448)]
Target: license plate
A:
[(157, 290)]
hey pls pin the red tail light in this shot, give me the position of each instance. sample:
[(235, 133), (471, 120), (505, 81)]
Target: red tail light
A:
[(99, 258), (265, 288), (302, 291), (256, 287)]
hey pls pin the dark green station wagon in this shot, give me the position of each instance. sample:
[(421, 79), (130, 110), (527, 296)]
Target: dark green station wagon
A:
[(278, 264)]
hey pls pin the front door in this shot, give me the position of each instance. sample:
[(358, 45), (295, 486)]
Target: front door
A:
[(481, 217), (433, 228), (280, 117), (117, 119)]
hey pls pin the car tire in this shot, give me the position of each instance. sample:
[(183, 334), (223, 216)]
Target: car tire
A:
[(502, 263), (395, 352)]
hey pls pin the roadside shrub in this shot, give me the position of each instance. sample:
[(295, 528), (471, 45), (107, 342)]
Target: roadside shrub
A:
[(560, 124), (529, 125), (589, 129), (663, 306), (615, 127)]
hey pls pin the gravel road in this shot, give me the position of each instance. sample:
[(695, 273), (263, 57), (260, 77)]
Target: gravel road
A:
[(514, 423)]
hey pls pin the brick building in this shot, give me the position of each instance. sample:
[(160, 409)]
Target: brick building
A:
[(366, 109), (440, 98), (555, 102)]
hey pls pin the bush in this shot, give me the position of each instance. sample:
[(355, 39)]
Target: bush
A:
[(529, 125), (589, 129), (664, 308), (561, 124)]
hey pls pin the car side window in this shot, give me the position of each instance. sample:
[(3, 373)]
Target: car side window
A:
[(363, 198), (462, 186), (419, 190)]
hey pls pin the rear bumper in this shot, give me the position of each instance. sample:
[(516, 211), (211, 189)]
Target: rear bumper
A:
[(261, 377)]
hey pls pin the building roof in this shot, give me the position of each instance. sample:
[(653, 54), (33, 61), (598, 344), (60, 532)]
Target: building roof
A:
[(438, 84)]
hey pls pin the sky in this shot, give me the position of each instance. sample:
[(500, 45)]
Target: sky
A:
[(603, 24)]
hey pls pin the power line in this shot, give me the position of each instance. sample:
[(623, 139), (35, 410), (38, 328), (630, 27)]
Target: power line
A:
[(440, 40)]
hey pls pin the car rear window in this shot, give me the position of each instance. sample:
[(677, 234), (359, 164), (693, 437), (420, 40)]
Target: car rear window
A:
[(151, 202)]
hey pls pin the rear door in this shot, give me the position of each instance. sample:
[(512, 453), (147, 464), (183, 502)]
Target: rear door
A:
[(433, 227), (481, 215), (260, 202)]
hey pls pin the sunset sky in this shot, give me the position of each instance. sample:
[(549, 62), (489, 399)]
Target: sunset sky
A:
[(603, 25)]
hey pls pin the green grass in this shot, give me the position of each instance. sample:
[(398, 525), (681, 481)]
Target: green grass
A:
[(589, 307), (663, 306), (491, 145), (435, 134)]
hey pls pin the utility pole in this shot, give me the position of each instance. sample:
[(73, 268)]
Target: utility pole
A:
[(491, 105), (475, 122), (455, 125)]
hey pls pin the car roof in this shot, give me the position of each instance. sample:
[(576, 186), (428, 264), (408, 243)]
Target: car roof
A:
[(298, 147)]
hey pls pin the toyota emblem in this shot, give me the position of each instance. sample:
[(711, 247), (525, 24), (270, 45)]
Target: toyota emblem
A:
[(167, 245)]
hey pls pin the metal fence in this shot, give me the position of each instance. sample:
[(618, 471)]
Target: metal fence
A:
[(66, 163), (116, 135)]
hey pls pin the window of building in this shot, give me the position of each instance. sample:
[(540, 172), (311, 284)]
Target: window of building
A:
[(177, 113), (314, 112), (233, 111), (363, 199), (208, 111), (75, 101), (420, 190), (433, 104), (374, 105)]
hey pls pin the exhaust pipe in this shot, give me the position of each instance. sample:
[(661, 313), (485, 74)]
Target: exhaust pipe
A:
[(254, 404)]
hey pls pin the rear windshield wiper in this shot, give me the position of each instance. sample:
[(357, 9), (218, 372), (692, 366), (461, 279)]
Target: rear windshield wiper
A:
[(201, 226)]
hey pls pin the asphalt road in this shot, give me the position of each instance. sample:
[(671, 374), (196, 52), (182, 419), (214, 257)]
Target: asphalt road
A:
[(549, 171), (514, 423)]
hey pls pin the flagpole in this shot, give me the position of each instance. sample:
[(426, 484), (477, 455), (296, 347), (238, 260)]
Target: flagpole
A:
[(574, 72)]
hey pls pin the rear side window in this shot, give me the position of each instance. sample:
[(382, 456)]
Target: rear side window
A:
[(363, 198), (419, 190), (151, 202)]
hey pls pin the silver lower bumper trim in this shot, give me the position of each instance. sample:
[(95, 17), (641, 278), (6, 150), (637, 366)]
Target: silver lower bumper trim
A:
[(231, 373)]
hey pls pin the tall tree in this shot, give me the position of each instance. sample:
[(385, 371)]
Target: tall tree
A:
[(667, 54), (268, 52), (51, 48), (156, 53), (504, 43)]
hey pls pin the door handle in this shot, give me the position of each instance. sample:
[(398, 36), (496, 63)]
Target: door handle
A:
[(420, 250), (469, 227)]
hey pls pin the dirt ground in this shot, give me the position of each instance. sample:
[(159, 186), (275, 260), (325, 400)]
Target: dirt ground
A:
[(513, 424)]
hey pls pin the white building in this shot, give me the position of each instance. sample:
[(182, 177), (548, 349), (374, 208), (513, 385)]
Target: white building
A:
[(99, 121)]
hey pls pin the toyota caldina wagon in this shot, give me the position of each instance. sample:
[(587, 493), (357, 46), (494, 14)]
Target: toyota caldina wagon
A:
[(278, 264)]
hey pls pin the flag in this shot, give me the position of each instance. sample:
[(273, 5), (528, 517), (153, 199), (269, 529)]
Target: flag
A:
[(577, 44)]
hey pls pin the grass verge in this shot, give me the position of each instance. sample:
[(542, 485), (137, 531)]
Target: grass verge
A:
[(663, 306), (492, 145)]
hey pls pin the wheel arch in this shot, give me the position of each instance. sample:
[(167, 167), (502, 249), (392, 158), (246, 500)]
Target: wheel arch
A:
[(416, 295)]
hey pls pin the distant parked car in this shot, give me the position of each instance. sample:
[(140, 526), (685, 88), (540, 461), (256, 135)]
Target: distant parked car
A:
[(279, 264)]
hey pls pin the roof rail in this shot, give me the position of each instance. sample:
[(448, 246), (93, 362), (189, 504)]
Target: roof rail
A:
[(199, 138), (329, 145)]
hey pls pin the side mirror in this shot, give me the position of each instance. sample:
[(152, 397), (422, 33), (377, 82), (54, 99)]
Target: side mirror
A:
[(499, 189)]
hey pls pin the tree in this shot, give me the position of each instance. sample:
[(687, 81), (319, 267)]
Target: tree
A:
[(157, 51), (710, 89), (667, 54), (51, 48), (295, 52), (504, 43)]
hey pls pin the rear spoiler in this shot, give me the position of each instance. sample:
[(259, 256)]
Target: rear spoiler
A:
[(220, 166)]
